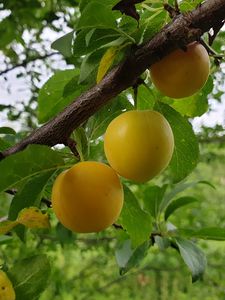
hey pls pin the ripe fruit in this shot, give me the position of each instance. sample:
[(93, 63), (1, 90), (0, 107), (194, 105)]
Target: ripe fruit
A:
[(182, 73), (88, 197), (139, 144), (6, 288)]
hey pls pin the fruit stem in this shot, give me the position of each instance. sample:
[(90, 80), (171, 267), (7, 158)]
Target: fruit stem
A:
[(176, 5), (72, 145), (138, 82), (135, 97), (211, 51)]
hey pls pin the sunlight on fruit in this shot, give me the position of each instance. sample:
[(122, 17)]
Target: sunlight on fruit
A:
[(139, 144), (182, 73), (88, 197)]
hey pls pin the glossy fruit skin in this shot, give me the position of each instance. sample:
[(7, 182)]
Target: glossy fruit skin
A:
[(139, 144), (88, 197), (6, 288), (182, 73)]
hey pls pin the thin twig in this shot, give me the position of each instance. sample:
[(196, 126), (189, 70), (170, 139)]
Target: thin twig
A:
[(26, 62), (216, 30), (124, 277)]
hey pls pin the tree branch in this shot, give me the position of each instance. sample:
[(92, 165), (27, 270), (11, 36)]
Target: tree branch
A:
[(184, 29), (26, 62)]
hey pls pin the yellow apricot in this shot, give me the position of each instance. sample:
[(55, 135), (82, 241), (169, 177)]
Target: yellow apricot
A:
[(6, 288), (139, 144), (88, 197), (182, 73)]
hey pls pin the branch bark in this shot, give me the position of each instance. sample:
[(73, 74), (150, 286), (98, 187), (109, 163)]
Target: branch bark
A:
[(184, 29)]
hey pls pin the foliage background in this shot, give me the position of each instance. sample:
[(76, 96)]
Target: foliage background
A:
[(84, 266)]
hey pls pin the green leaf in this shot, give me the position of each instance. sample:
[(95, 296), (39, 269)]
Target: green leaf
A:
[(133, 218), (88, 40), (178, 203), (96, 15), (193, 257), (79, 45), (53, 97), (138, 255), (178, 188), (7, 130), (84, 3), (68, 90), (64, 44), (146, 99), (34, 160), (186, 150), (30, 277), (80, 138), (187, 5), (30, 194), (7, 32), (152, 199), (90, 64), (207, 183), (162, 242), (124, 253), (195, 105), (208, 233), (98, 123), (5, 239), (64, 235), (150, 24), (128, 258), (4, 144), (117, 42), (128, 25)]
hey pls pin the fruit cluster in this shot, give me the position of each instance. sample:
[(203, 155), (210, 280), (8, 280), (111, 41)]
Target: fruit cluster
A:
[(138, 146)]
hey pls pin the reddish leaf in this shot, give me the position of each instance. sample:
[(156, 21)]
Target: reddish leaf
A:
[(128, 8)]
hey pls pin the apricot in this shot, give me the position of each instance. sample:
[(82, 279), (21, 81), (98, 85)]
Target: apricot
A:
[(88, 197), (139, 144), (182, 73), (6, 288)]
